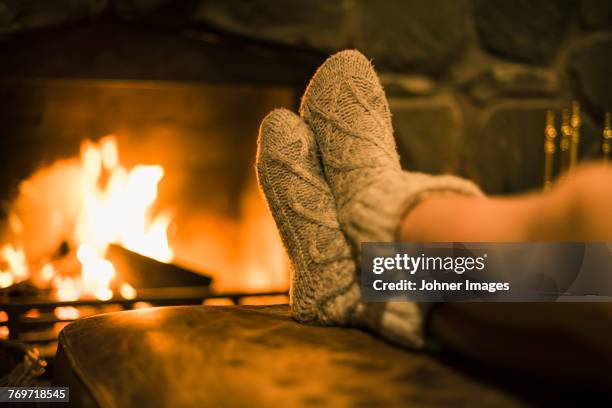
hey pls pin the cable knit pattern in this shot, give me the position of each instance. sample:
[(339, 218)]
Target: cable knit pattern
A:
[(324, 288), (346, 108)]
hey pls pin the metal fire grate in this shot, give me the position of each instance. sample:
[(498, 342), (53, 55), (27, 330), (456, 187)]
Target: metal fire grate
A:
[(31, 319)]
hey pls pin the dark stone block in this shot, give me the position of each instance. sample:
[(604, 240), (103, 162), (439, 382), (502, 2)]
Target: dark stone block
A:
[(596, 13), (412, 35), (18, 15), (506, 153), (589, 70), (525, 30), (167, 14), (129, 8), (313, 24), (515, 81), (407, 85), (106, 48), (427, 134)]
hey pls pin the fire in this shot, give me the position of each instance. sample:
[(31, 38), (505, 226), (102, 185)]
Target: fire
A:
[(16, 260), (127, 291), (18, 270), (96, 272), (67, 313), (115, 207), (119, 212), (66, 289)]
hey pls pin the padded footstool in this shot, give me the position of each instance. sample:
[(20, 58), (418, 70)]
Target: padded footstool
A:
[(201, 356)]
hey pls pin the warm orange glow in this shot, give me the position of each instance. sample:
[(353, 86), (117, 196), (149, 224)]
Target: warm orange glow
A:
[(67, 313), (68, 213), (66, 289), (142, 305), (264, 300), (47, 272), (127, 291), (243, 254), (17, 267), (96, 272), (120, 212), (32, 313), (114, 207), (4, 332), (58, 327), (218, 302), (6, 279), (117, 213)]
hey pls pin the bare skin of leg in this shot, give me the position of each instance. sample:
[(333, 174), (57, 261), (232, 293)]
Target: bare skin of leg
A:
[(566, 342)]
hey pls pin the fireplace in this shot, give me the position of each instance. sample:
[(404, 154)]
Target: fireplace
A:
[(128, 176), (179, 142)]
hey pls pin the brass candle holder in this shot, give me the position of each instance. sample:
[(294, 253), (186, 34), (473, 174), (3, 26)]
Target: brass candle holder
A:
[(550, 134), (565, 142), (569, 142), (575, 123), (606, 138)]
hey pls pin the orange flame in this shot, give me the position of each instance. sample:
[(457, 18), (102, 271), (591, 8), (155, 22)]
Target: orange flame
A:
[(119, 213), (67, 313), (18, 270), (115, 208)]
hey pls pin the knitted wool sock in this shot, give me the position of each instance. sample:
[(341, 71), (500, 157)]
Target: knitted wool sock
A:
[(346, 108), (324, 288)]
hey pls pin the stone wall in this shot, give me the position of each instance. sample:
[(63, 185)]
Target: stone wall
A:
[(469, 80)]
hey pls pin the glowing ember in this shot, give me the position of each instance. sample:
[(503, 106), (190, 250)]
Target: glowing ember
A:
[(47, 272), (4, 332), (32, 313), (127, 291), (66, 289), (17, 266), (6, 279), (142, 305), (67, 313), (115, 208)]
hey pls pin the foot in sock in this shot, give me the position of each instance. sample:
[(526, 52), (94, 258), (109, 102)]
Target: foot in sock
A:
[(346, 108), (324, 288), (324, 282)]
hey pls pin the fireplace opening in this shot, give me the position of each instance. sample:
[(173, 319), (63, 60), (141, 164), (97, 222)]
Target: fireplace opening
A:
[(128, 176)]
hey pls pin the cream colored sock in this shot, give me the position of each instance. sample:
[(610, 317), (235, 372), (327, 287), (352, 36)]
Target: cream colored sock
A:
[(346, 108), (323, 286), (324, 282)]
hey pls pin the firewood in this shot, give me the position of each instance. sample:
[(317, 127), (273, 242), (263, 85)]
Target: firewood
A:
[(144, 272)]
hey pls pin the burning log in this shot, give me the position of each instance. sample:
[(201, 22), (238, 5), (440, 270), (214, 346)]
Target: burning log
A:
[(144, 272), (21, 289)]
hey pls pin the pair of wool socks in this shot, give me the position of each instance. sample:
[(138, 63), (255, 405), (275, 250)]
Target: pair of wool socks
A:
[(332, 180)]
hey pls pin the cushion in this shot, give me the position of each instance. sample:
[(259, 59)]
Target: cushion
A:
[(251, 356)]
